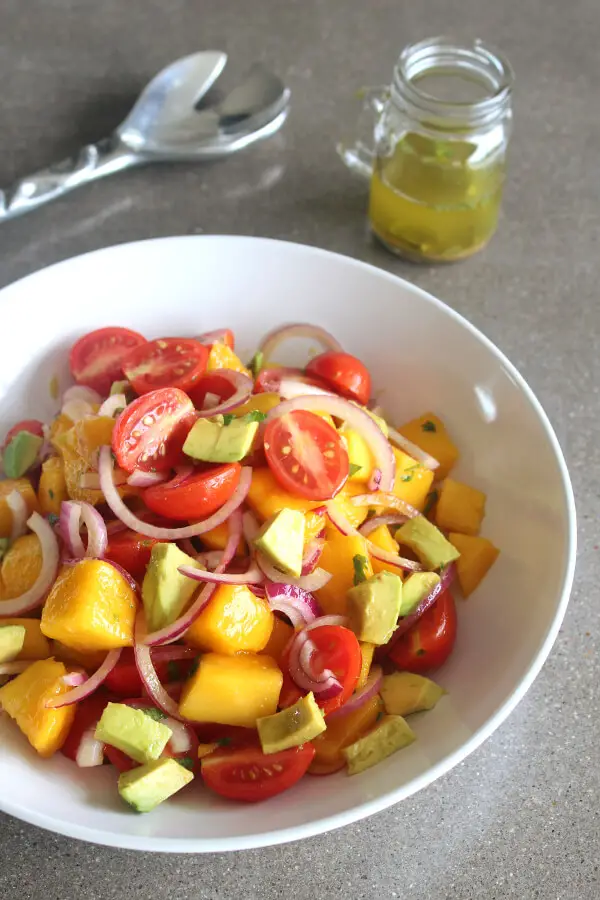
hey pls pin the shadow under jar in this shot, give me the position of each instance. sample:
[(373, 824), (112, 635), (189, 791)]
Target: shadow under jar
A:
[(440, 151)]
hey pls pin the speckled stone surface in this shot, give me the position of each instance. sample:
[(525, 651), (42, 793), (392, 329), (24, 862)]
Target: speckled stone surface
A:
[(519, 818)]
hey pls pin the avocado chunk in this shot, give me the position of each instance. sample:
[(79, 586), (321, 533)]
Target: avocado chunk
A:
[(211, 441), (428, 542), (404, 693), (146, 786), (21, 453), (133, 732), (291, 727), (391, 734), (165, 591), (281, 539), (374, 606), (12, 638), (416, 587)]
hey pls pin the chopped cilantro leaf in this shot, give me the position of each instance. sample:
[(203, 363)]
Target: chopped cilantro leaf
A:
[(224, 742), (255, 415), (354, 469), (428, 425), (186, 761), (52, 519), (431, 500), (360, 563), (228, 418), (51, 493), (407, 476), (154, 713)]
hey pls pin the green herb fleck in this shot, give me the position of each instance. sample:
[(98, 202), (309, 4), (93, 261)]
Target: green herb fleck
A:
[(360, 563), (228, 418), (173, 671), (255, 415), (380, 716), (51, 493), (186, 761), (421, 652), (154, 713), (224, 742), (428, 425), (353, 469), (431, 500), (256, 363), (52, 519), (371, 513)]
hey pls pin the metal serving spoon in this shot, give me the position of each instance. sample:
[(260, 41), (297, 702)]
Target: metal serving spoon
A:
[(166, 126)]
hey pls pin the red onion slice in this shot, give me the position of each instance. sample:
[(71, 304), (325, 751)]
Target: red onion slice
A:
[(250, 527), (299, 606), (78, 392), (309, 583), (90, 752), (212, 337), (296, 387), (50, 558), (70, 516), (420, 455), (96, 529), (305, 658), (145, 479), (386, 500), (306, 680), (373, 524), (210, 559), (147, 672), (345, 527), (89, 686), (357, 418), (122, 512), (19, 512), (112, 404), (74, 679), (252, 576), (243, 389), (374, 480), (297, 330), (312, 555), (405, 624), (370, 690)]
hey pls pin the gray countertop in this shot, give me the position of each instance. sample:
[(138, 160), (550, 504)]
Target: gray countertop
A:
[(519, 818)]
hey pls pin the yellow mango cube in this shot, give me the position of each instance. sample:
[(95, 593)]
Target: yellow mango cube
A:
[(460, 507), (280, 638), (383, 539), (338, 559), (21, 566), (234, 621), (232, 690), (367, 651), (24, 700), (266, 498), (52, 488), (216, 539), (36, 645), (23, 486), (89, 661), (429, 433), (477, 556), (356, 515), (90, 607), (341, 732), (263, 403), (413, 480), (222, 357)]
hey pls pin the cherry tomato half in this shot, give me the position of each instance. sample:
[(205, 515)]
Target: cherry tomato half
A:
[(33, 426), (344, 373), (337, 649), (430, 641), (195, 497), (95, 359), (166, 362), (269, 380), (306, 455), (124, 680), (211, 383), (131, 551), (151, 431), (250, 775), (87, 716)]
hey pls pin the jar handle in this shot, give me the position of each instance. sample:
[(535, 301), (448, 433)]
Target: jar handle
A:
[(360, 155)]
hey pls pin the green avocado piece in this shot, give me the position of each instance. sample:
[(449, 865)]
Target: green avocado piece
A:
[(132, 731), (391, 734), (404, 693), (416, 587), (281, 539), (146, 786), (12, 638), (373, 607), (165, 591), (211, 441), (428, 542), (291, 727), (21, 453)]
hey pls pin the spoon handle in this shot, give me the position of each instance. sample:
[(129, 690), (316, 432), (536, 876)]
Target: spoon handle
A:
[(93, 161)]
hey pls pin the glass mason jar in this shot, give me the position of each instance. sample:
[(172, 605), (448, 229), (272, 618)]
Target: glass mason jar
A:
[(438, 163)]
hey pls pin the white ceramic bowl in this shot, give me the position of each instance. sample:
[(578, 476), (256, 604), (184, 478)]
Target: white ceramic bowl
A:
[(429, 358)]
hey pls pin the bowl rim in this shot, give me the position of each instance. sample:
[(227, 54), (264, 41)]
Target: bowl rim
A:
[(368, 808)]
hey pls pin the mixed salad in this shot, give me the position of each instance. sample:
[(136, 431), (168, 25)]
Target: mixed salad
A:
[(225, 573)]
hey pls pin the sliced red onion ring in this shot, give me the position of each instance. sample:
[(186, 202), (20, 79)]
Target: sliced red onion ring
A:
[(89, 685), (79, 392), (374, 480), (386, 501), (212, 337), (112, 404), (210, 400), (179, 741), (420, 455), (345, 527), (297, 330), (74, 679), (96, 529), (176, 629), (16, 667), (210, 559), (312, 555), (327, 620), (373, 524), (145, 479), (243, 389), (147, 672), (357, 418), (50, 558), (305, 658), (250, 527), (19, 512), (252, 576), (370, 689), (295, 387), (309, 583), (187, 547), (111, 495), (90, 751), (70, 516), (306, 680), (405, 624), (299, 606)]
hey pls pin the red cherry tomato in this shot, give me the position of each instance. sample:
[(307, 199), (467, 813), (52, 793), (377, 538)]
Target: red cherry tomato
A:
[(33, 426), (95, 359), (151, 431), (269, 380), (166, 362), (250, 775), (430, 641), (344, 373), (338, 650), (211, 383), (131, 551), (87, 716), (124, 680), (194, 497), (218, 336), (306, 455)]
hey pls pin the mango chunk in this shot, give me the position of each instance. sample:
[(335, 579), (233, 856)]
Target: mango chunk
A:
[(341, 732), (52, 488), (367, 651), (413, 480), (477, 556), (429, 433), (338, 558), (21, 566), (383, 539), (266, 498), (460, 508), (234, 621), (222, 357), (279, 639), (23, 486)]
